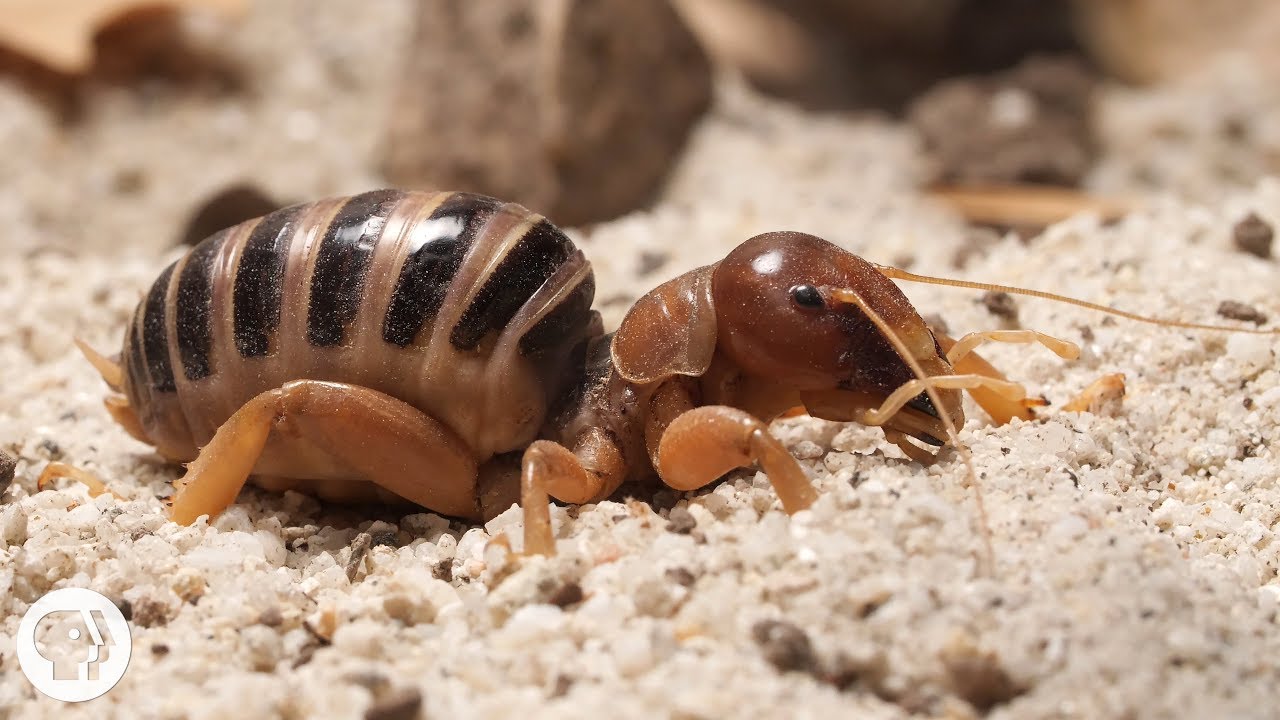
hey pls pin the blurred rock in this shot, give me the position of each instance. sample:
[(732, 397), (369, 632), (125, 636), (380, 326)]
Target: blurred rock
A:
[(1253, 235), (830, 54), (230, 206), (8, 464), (1028, 125), (1146, 41), (576, 109), (61, 35)]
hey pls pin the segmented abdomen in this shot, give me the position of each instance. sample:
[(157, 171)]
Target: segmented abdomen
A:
[(461, 305)]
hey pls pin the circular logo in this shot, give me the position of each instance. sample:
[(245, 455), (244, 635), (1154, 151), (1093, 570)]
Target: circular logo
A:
[(73, 644)]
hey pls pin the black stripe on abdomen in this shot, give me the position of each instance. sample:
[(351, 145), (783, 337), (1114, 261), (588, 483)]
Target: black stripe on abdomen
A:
[(566, 321), (194, 302), (437, 247), (342, 263), (526, 267), (258, 289), (155, 334)]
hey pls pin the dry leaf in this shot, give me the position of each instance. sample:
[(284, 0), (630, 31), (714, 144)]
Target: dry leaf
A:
[(59, 33), (1027, 205)]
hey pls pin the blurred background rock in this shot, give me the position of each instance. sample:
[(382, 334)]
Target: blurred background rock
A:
[(131, 123)]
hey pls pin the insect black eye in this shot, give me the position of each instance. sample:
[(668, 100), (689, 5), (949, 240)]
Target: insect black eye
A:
[(807, 297)]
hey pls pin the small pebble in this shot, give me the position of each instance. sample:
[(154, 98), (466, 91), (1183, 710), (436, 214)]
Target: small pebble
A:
[(188, 585), (13, 525), (51, 449), (1001, 304), (651, 262), (8, 464), (271, 617), (681, 576), (1253, 235), (262, 646), (443, 570), (359, 548), (570, 593), (979, 676), (149, 612), (807, 450), (1233, 310), (680, 521), (399, 704), (784, 645)]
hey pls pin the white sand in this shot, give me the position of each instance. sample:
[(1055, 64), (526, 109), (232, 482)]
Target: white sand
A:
[(1136, 559)]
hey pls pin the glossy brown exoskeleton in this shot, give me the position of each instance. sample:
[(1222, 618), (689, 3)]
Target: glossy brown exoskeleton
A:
[(441, 348)]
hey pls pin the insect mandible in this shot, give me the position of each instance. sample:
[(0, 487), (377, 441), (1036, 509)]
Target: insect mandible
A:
[(440, 347)]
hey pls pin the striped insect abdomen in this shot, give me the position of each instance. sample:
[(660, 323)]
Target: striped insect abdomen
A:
[(458, 304)]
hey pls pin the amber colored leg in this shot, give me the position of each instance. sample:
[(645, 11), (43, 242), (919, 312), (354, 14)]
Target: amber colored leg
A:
[(999, 407), (910, 449), (1010, 391), (122, 412), (705, 443), (671, 400), (593, 469), (383, 440), (965, 345), (55, 470)]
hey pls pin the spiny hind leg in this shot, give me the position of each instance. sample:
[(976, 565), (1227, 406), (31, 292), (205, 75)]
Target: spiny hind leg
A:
[(593, 469), (375, 436), (704, 443)]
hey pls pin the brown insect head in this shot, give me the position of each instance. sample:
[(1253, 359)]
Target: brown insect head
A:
[(792, 308)]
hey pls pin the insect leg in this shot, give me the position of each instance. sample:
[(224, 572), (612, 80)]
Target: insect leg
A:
[(707, 442), (122, 412), (381, 439), (55, 470), (594, 468), (910, 449), (965, 345), (1002, 408), (1010, 391)]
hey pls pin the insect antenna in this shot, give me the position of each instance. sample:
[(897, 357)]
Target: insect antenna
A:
[(898, 274), (852, 297)]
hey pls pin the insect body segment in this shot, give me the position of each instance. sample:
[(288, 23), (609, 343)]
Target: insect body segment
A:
[(411, 344), (460, 305)]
